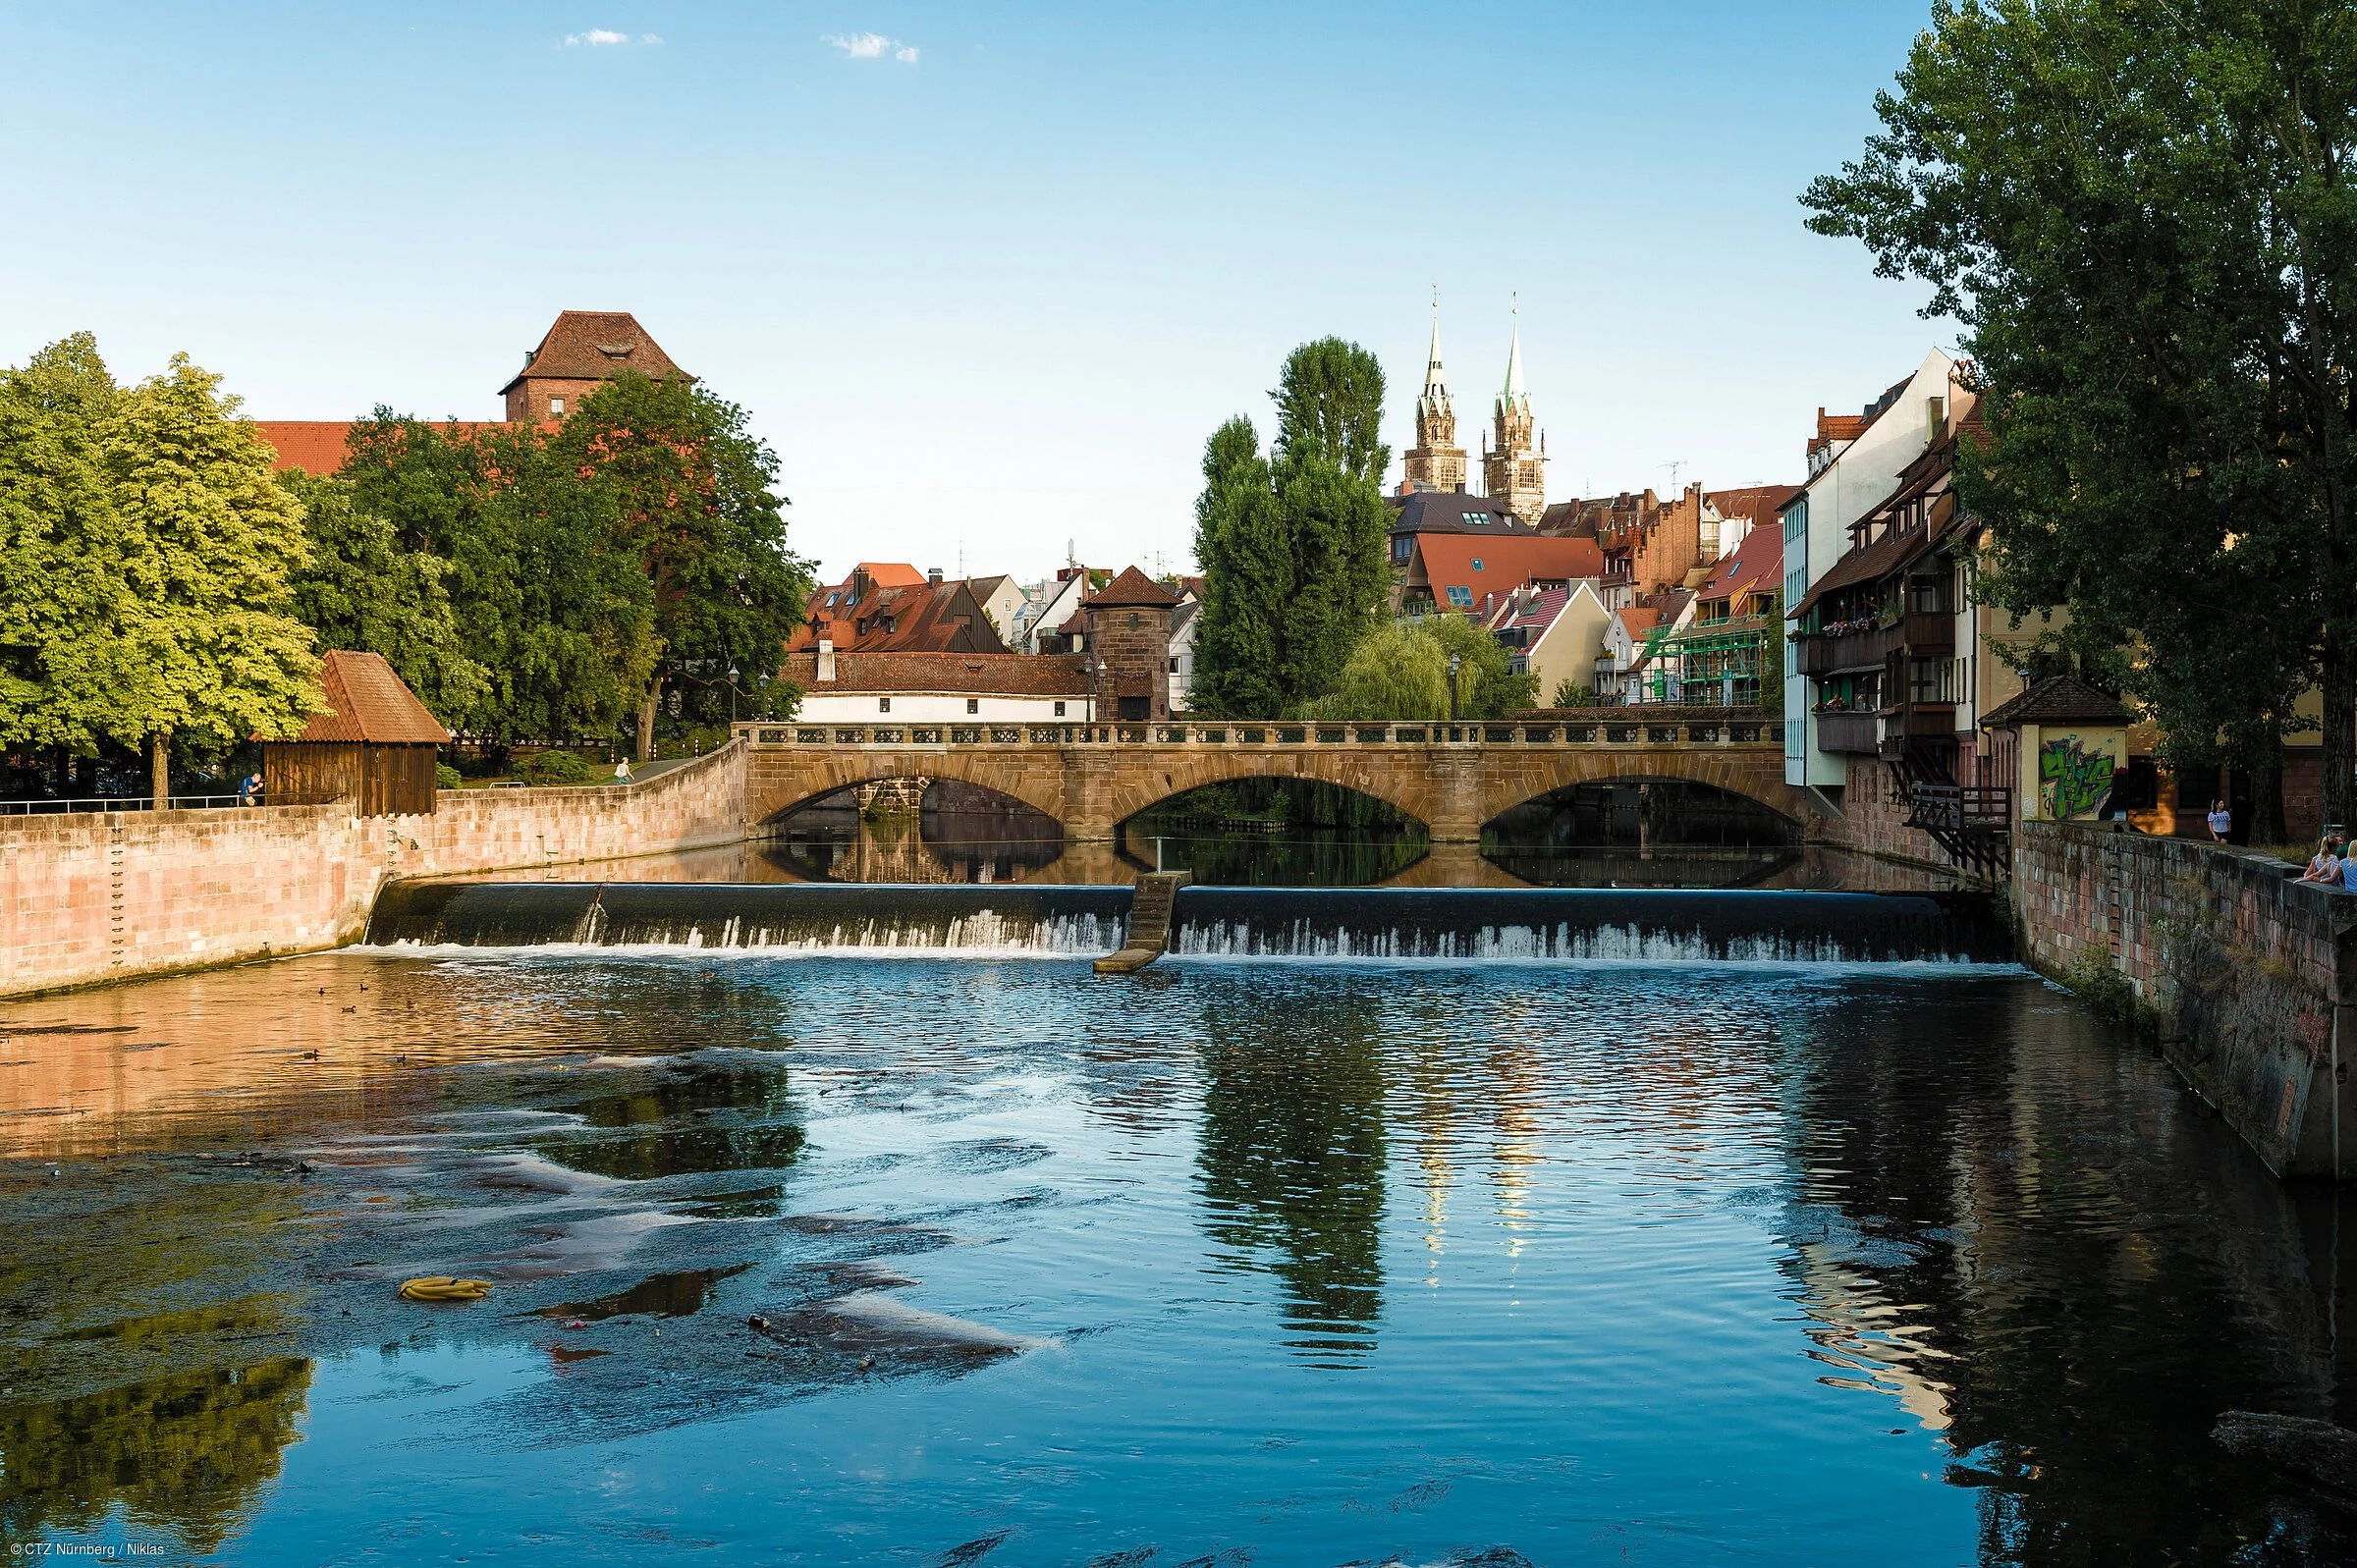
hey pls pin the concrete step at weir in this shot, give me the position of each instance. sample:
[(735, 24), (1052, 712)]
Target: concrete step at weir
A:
[(1149, 923)]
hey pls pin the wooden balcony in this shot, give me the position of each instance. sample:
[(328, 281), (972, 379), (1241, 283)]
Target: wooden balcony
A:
[(1850, 734), (1922, 635)]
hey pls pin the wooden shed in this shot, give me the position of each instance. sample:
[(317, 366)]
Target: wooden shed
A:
[(375, 746)]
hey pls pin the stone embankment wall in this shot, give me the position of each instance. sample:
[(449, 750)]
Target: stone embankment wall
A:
[(2239, 969), (1873, 820), (95, 897)]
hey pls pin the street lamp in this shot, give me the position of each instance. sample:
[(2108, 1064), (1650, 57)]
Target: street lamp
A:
[(1456, 662)]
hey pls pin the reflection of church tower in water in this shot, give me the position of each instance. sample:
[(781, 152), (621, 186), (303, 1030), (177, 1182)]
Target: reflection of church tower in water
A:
[(1436, 461), (1513, 460)]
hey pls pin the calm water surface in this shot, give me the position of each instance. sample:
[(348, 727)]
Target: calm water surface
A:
[(1274, 1263)]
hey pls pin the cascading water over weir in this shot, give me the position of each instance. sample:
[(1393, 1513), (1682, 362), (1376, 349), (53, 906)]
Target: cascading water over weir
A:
[(1579, 925)]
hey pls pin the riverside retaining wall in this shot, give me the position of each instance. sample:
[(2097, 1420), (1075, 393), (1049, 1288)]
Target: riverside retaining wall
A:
[(93, 896), (2241, 970)]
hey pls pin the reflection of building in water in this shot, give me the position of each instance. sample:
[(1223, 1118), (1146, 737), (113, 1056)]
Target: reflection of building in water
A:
[(1514, 1085), (960, 834)]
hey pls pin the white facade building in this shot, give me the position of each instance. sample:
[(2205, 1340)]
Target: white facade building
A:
[(1854, 464)]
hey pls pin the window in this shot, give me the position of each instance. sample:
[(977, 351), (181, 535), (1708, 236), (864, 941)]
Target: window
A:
[(1059, 710), (1403, 549), (1477, 519), (1460, 598), (974, 705), (882, 705), (1132, 621), (1477, 562), (556, 406), (1174, 667)]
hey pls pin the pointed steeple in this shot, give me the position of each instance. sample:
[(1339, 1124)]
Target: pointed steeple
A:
[(1514, 392), (1436, 461), (1513, 465), (1436, 383)]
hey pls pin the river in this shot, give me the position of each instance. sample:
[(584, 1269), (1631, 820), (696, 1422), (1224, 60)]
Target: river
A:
[(807, 1255)]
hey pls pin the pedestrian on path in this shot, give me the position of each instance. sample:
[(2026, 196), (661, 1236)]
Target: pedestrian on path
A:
[(622, 771), (2222, 822)]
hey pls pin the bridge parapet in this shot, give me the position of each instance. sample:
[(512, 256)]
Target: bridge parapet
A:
[(1092, 778), (1648, 729)]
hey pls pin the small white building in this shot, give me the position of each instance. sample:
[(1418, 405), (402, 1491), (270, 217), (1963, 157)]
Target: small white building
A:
[(948, 688), (1183, 621), (1062, 602)]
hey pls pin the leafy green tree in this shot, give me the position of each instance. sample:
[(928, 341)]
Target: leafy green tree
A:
[(1293, 547), (208, 543), (1247, 576), (1331, 392), (691, 498), (1398, 671), (59, 536), (364, 590), (1570, 693), (1486, 685), (2144, 215)]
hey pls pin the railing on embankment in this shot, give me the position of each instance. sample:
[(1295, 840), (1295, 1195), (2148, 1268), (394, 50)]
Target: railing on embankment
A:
[(2239, 970), (106, 895)]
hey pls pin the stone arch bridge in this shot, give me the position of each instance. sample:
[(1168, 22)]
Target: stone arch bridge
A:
[(1451, 778)]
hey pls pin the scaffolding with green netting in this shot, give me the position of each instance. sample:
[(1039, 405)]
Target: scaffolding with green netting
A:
[(1709, 663)]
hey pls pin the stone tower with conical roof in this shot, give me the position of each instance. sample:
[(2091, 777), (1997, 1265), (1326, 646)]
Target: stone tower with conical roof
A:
[(1513, 460), (1436, 461)]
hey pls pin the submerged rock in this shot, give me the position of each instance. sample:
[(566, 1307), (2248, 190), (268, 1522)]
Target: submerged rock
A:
[(2317, 1453)]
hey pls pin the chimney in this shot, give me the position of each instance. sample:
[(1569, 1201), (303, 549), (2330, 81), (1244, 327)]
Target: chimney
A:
[(826, 659), (933, 576)]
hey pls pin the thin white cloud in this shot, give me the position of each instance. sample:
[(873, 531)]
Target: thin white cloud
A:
[(871, 46), (650, 37), (595, 38)]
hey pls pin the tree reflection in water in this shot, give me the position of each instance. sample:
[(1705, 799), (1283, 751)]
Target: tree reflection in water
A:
[(1290, 1160), (1987, 1237), (189, 1452)]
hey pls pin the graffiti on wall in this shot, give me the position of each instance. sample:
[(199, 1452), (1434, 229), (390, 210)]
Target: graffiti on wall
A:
[(2071, 779)]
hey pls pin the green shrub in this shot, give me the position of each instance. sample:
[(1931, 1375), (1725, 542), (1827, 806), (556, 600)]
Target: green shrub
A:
[(446, 777), (556, 768)]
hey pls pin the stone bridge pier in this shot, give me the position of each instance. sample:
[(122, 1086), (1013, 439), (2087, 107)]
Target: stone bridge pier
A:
[(1453, 778)]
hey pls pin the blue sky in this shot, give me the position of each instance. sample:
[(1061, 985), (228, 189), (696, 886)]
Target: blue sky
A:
[(985, 276)]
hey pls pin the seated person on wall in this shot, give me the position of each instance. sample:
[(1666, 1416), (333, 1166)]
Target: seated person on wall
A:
[(2348, 867), (2324, 867)]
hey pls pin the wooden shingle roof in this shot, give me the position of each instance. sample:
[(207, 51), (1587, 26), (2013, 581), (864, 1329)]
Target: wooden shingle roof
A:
[(368, 702), (594, 345)]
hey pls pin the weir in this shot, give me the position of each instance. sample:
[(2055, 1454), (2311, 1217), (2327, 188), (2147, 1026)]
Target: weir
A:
[(1577, 925)]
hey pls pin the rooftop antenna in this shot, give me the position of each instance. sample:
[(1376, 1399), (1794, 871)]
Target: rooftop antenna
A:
[(1675, 466)]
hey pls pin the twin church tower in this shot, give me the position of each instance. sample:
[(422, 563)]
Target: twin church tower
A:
[(1512, 461)]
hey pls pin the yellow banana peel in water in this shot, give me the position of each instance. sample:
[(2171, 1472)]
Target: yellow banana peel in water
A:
[(443, 1288)]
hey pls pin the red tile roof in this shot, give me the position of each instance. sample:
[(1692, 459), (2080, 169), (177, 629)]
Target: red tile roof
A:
[(989, 675), (2057, 699), (367, 701), (316, 446), (1133, 588), (1757, 564), (1486, 563), (594, 345)]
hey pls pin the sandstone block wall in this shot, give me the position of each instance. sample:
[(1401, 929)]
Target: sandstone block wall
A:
[(2242, 968), (95, 897)]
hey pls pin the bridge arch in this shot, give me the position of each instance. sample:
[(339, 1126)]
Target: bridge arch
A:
[(1366, 774), (1534, 774), (780, 782)]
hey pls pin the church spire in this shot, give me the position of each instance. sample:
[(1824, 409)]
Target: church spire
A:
[(1436, 461), (1514, 392), (1436, 381), (1513, 469)]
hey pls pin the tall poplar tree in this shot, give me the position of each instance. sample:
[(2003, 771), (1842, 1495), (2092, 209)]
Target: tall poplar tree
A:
[(1293, 547), (2145, 215)]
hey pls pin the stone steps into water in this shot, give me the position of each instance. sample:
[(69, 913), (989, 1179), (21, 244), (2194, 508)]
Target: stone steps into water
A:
[(1149, 923)]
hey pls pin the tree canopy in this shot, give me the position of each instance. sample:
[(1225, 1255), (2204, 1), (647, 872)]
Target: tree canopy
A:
[(2143, 214), (145, 568), (1293, 545), (1331, 392)]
